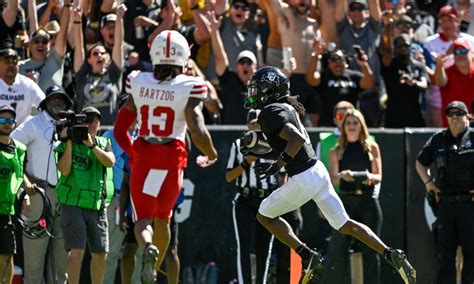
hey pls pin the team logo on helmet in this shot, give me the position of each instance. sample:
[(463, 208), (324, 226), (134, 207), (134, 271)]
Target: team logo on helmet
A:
[(271, 77)]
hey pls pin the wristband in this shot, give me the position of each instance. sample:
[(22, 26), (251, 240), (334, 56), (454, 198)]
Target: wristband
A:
[(285, 157), (245, 164), (428, 181), (92, 146)]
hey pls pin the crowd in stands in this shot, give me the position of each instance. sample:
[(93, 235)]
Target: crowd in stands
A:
[(398, 61)]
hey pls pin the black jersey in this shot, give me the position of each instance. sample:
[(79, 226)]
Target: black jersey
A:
[(272, 119)]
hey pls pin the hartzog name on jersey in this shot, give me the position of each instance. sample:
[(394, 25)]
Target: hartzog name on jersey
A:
[(163, 95)]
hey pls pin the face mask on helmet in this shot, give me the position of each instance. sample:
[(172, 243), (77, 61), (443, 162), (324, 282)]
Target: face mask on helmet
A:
[(267, 85), (253, 99)]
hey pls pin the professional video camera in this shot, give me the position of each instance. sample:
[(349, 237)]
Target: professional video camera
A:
[(76, 130)]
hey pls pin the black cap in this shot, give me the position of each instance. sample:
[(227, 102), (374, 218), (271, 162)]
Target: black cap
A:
[(91, 110), (456, 104), (41, 33), (55, 90), (8, 108), (8, 52)]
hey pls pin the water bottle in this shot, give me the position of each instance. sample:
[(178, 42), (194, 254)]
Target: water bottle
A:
[(139, 32), (287, 54), (259, 50)]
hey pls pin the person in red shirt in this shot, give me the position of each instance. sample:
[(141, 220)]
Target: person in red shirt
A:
[(456, 81)]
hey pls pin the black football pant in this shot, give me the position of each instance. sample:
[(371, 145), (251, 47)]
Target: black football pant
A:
[(455, 227), (253, 241)]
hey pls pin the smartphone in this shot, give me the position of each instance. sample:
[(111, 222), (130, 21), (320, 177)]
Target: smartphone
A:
[(357, 51)]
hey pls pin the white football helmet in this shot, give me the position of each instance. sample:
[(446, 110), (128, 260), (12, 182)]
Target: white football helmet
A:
[(170, 48)]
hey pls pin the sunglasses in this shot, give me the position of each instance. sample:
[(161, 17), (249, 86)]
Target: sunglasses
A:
[(335, 58), (245, 61), (98, 53), (238, 5), (356, 8), (458, 113), (10, 60), (42, 41), (4, 120), (461, 51)]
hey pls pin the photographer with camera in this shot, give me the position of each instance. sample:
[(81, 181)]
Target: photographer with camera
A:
[(37, 135), (84, 189)]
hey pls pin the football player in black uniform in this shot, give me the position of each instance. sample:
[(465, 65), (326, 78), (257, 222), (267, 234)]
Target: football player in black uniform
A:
[(268, 90)]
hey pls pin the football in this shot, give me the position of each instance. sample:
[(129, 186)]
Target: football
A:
[(254, 142)]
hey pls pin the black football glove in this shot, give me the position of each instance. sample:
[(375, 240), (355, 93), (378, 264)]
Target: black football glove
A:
[(265, 170)]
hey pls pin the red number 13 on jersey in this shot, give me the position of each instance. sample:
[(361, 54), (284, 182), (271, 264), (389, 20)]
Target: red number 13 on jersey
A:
[(164, 128)]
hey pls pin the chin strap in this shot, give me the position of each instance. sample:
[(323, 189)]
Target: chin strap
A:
[(125, 119)]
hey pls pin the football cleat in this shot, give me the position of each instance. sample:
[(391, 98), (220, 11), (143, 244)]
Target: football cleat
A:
[(150, 256), (312, 268), (399, 261)]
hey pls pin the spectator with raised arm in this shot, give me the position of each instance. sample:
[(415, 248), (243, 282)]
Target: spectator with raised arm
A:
[(98, 74), (11, 22), (439, 44), (298, 31), (360, 23), (456, 81), (405, 80), (46, 64), (233, 83), (335, 82)]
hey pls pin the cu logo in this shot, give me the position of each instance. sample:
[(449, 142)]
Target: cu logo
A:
[(271, 77)]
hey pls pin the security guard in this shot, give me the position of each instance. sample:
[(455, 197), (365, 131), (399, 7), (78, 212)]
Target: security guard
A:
[(452, 152)]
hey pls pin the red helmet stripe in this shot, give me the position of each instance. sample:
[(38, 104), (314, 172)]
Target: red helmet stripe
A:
[(168, 43)]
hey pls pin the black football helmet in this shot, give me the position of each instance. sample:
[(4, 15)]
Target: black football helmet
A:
[(267, 85)]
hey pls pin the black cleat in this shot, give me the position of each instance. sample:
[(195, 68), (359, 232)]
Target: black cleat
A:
[(312, 268), (399, 261), (150, 256)]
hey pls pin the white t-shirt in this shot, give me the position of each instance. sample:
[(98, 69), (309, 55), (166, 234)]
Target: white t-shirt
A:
[(160, 104), (36, 133), (24, 92)]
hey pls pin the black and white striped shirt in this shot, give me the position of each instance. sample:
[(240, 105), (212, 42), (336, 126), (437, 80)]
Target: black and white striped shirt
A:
[(248, 178)]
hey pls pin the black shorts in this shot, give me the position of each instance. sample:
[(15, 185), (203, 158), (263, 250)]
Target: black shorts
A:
[(130, 236), (7, 235)]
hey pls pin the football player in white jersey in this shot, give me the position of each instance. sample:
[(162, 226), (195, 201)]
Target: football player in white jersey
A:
[(165, 103)]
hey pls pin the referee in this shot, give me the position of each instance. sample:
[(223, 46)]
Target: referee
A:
[(254, 242)]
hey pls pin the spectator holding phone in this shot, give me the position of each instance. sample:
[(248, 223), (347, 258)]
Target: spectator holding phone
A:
[(405, 80), (336, 82)]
